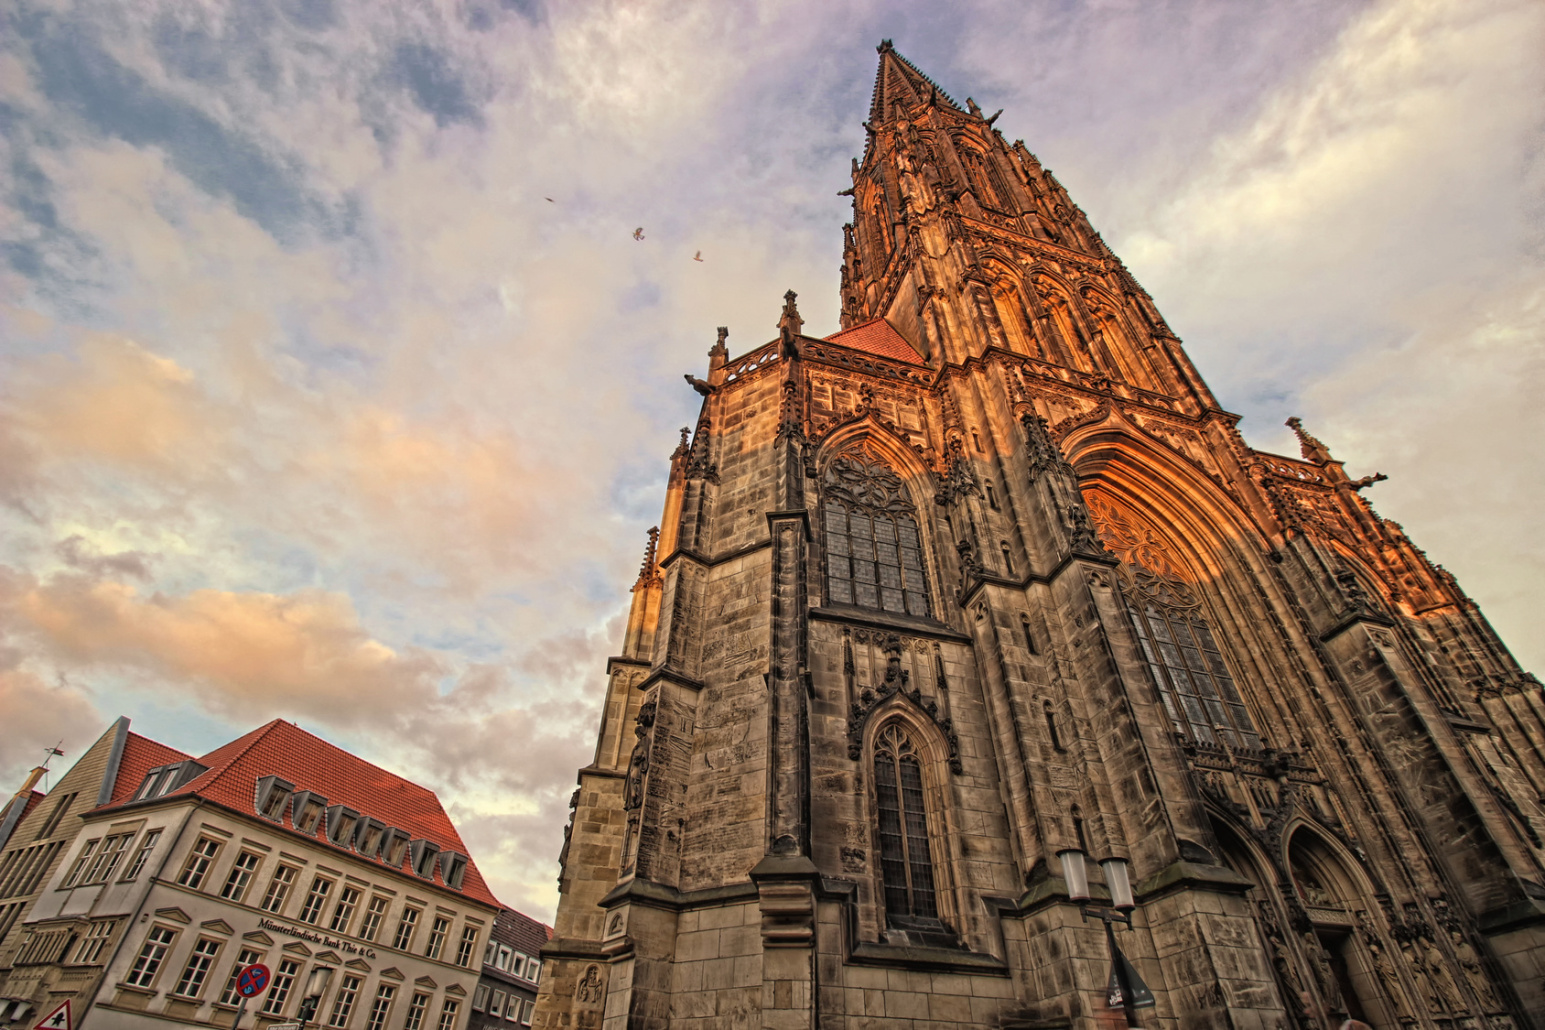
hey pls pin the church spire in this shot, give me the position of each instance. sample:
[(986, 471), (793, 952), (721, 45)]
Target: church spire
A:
[(899, 80), (964, 243)]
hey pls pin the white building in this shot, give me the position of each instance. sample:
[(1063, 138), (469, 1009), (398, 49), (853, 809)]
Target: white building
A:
[(277, 848)]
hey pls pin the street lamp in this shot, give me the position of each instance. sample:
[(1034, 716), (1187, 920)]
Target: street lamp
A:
[(1126, 988), (316, 986)]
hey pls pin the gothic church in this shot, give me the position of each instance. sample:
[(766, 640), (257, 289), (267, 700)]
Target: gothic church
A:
[(984, 594)]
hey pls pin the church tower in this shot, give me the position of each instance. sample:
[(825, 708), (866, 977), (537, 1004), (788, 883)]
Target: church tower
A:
[(984, 594)]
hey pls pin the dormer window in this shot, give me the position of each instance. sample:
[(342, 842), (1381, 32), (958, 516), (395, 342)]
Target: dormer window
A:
[(394, 843), (453, 866), (423, 854), (273, 794), (367, 836), (153, 779), (164, 779), (340, 825), (306, 814)]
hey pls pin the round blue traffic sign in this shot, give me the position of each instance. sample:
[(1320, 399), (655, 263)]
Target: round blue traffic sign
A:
[(252, 980)]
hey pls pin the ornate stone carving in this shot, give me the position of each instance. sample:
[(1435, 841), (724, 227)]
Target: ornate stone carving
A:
[(896, 683)]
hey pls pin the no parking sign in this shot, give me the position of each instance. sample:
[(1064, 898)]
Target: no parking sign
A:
[(252, 980)]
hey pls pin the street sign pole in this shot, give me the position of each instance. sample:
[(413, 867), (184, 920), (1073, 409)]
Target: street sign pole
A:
[(241, 1010)]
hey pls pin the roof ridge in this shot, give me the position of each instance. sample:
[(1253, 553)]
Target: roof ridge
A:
[(213, 773), (157, 743)]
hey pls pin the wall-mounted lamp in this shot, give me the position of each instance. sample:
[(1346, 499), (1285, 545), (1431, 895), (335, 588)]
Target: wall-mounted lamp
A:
[(1127, 990), (316, 986)]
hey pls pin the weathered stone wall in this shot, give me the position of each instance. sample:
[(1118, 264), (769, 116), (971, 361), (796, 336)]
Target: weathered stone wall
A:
[(1358, 831)]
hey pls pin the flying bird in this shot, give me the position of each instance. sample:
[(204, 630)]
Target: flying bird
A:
[(550, 200), (638, 233), (698, 256)]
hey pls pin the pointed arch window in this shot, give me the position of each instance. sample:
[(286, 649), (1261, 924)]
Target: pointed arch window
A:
[(1194, 683), (874, 556), (906, 861), (1187, 664)]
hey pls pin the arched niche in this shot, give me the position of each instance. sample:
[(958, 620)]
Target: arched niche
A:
[(1352, 960)]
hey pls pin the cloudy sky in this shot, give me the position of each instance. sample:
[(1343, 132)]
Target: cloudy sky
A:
[(313, 404)]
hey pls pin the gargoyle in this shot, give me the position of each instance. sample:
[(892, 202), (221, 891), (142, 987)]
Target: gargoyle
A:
[(1366, 481), (699, 385)]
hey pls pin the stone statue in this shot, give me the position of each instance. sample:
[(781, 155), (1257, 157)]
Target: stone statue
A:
[(1470, 962)]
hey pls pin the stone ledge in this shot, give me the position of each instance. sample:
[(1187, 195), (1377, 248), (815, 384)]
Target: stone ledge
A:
[(658, 895), (1506, 918), (572, 947), (865, 953), (1182, 874), (885, 620)]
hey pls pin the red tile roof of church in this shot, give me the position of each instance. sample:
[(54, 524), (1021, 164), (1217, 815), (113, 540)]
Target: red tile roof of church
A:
[(140, 755), (877, 336), (285, 750)]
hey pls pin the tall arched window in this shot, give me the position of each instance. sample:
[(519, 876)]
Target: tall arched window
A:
[(1186, 662), (906, 863), (874, 556)]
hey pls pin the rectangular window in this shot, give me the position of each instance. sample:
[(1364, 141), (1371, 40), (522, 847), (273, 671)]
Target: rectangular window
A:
[(496, 1004), (381, 1008), (480, 998), (311, 911), (307, 814), (242, 871), (89, 951), (199, 861), (279, 888), (468, 946), (373, 916), (86, 854), (343, 915), (405, 927), (526, 1009), (45, 858), (8, 916), (343, 1003), (448, 1014), (416, 1008), (437, 932), (245, 959), (108, 857), (394, 843), (533, 969), (279, 990), (273, 795), (146, 846), (197, 969), (148, 964)]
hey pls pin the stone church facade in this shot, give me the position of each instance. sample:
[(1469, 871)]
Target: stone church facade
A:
[(987, 578)]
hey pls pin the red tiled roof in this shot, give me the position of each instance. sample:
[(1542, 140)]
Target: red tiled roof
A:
[(877, 336), (285, 750), (140, 755), (521, 932), (34, 798)]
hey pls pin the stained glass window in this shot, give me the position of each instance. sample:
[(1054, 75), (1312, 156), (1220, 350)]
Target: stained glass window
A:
[(874, 556)]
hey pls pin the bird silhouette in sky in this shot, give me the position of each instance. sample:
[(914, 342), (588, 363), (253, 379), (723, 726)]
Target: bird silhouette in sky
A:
[(638, 233), (550, 200), (698, 256)]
